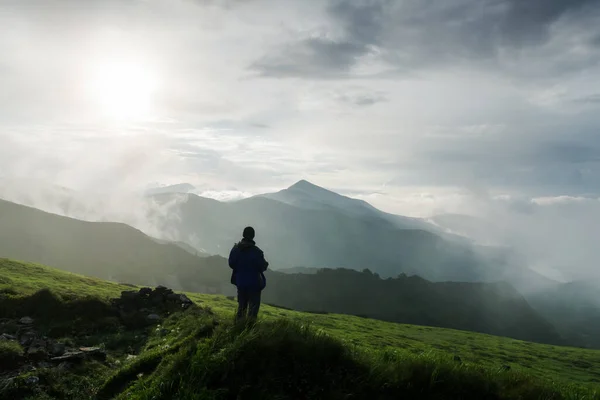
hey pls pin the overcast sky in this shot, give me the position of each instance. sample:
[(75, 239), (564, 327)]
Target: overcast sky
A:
[(414, 105)]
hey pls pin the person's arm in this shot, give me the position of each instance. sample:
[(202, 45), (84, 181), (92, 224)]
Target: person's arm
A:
[(233, 257), (265, 263)]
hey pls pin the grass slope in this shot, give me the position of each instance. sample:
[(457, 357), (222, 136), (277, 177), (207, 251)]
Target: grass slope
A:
[(195, 355), (102, 249)]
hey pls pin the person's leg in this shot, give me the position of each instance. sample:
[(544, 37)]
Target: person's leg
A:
[(242, 304), (254, 303)]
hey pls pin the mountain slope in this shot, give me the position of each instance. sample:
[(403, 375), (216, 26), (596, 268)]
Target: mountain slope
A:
[(574, 308), (104, 250), (495, 308), (328, 235)]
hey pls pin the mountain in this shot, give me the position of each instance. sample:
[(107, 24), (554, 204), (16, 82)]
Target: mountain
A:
[(574, 308), (306, 195), (177, 188), (100, 249), (315, 228), (494, 308), (121, 253)]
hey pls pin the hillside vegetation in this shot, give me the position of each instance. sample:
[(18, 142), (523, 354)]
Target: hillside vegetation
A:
[(199, 354), (101, 249), (495, 308), (121, 253)]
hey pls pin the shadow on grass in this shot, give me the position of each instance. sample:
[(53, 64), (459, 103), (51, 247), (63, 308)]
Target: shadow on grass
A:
[(284, 360)]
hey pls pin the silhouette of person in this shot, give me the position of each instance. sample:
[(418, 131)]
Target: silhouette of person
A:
[(248, 264)]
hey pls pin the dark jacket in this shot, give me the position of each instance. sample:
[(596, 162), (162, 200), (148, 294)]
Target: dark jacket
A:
[(248, 264)]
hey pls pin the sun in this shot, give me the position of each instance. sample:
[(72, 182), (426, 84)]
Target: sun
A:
[(122, 90)]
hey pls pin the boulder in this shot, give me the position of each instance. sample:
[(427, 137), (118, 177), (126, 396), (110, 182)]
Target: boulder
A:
[(129, 295), (174, 297), (32, 380), (153, 317), (6, 336), (145, 292), (27, 338), (57, 349), (26, 321)]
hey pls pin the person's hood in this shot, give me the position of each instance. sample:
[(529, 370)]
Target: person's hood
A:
[(246, 244)]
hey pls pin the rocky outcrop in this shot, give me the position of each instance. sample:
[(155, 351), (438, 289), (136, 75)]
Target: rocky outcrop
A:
[(148, 306), (135, 309)]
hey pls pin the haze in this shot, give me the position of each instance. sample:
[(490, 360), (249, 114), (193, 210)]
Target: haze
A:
[(487, 108)]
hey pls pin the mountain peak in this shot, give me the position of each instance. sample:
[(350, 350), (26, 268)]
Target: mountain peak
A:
[(305, 185), (302, 184)]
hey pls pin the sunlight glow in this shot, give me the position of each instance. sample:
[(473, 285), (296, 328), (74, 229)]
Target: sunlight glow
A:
[(122, 90)]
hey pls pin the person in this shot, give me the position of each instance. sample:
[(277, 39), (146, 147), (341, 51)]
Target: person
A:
[(248, 265)]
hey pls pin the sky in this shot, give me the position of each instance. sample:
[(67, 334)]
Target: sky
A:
[(418, 106)]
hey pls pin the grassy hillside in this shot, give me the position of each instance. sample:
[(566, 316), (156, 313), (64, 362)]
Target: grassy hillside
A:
[(198, 354), (104, 250)]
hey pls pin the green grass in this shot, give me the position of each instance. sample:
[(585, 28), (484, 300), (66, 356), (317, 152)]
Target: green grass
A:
[(28, 278), (552, 363), (10, 352), (281, 360), (200, 355)]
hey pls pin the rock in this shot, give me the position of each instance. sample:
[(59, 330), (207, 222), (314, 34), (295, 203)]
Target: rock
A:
[(162, 290), (94, 352), (44, 364), (37, 353), (129, 294), (6, 336), (184, 299), (173, 297), (70, 356), (57, 349), (32, 380), (26, 321), (153, 317), (64, 366), (145, 291), (27, 338)]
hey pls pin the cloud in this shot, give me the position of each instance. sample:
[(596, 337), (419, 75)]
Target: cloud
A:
[(411, 35), (593, 99)]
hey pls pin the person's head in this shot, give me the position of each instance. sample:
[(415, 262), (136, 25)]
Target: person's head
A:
[(248, 233)]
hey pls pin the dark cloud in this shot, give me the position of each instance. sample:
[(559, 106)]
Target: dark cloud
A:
[(361, 98), (591, 99), (416, 33), (363, 23)]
